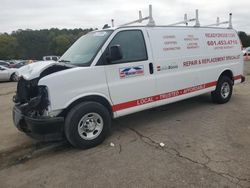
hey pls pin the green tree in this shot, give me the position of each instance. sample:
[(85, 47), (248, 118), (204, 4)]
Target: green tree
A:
[(8, 46), (248, 37), (244, 39), (34, 44), (60, 44)]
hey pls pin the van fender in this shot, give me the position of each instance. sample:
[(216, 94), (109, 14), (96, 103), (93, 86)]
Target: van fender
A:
[(236, 78), (97, 97), (227, 72)]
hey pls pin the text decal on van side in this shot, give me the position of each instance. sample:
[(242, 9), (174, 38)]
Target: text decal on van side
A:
[(209, 60), (167, 95)]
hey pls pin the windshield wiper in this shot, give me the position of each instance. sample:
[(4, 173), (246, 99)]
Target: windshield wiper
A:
[(64, 61)]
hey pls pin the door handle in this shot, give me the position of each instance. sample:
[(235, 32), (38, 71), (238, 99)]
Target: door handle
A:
[(151, 68)]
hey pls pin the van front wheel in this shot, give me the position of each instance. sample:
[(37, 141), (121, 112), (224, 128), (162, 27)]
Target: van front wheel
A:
[(87, 125), (223, 91)]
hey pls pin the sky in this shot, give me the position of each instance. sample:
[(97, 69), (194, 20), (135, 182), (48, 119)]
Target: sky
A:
[(45, 14)]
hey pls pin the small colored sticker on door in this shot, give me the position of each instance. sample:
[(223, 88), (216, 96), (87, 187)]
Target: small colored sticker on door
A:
[(128, 72)]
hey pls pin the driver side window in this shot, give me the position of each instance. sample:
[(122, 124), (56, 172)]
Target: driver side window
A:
[(132, 45)]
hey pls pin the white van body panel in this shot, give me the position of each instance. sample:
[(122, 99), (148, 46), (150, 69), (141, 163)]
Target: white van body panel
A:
[(69, 85), (175, 49), (187, 61)]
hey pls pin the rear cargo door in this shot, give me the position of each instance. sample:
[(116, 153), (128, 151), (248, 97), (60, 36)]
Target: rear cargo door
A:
[(131, 80)]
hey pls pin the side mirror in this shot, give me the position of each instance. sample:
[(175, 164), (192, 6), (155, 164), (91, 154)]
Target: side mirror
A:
[(115, 53)]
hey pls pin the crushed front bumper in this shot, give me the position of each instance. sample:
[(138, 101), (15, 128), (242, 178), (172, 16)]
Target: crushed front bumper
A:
[(41, 128)]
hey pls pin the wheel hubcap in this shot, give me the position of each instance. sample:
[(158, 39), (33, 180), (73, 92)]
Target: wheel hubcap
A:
[(225, 90), (90, 126)]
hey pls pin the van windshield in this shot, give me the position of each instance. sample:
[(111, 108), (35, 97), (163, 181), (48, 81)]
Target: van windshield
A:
[(83, 51)]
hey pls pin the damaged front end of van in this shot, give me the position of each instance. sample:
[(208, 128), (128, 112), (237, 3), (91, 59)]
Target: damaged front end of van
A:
[(30, 112)]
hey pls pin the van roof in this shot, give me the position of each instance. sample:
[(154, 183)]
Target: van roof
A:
[(165, 26), (210, 27)]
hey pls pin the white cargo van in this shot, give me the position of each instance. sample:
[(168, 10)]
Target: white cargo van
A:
[(118, 71)]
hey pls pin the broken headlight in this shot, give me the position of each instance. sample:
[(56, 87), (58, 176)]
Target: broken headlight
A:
[(41, 101)]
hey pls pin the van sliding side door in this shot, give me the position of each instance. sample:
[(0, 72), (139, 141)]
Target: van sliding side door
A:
[(174, 48)]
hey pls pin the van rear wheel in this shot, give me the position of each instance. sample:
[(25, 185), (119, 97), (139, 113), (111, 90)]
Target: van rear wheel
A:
[(87, 125), (223, 91)]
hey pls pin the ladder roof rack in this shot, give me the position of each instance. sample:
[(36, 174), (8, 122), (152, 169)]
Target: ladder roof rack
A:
[(151, 21), (186, 20), (229, 22)]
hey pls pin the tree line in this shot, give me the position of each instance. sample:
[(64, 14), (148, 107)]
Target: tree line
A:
[(34, 44), (245, 39)]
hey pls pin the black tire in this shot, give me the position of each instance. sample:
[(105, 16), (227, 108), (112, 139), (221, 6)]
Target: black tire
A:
[(74, 117), (217, 95), (13, 77)]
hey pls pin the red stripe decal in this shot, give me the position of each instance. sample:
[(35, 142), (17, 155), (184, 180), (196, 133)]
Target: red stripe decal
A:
[(237, 77), (163, 96)]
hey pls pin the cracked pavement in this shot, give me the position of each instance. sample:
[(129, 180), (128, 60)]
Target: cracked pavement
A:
[(231, 178), (206, 145)]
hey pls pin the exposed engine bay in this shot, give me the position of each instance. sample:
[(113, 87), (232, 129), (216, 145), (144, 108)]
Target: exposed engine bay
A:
[(31, 98)]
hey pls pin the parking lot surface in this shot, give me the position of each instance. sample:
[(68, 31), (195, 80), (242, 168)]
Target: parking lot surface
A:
[(205, 145)]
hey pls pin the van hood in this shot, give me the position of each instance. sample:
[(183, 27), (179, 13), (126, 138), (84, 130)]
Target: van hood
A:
[(35, 70)]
